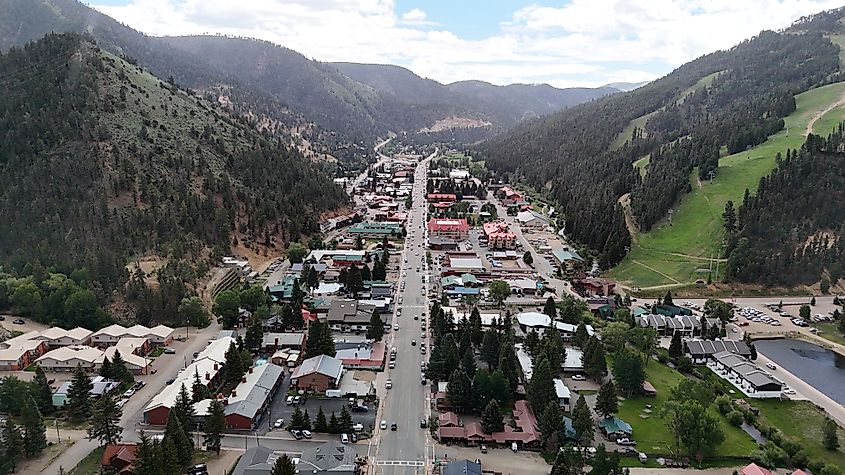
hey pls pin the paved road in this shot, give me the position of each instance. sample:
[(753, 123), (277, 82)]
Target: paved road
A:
[(166, 367), (405, 451)]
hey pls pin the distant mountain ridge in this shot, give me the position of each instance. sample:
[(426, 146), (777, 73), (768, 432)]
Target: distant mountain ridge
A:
[(358, 102)]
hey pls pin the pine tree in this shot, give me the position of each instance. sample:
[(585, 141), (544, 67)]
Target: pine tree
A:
[(119, 370), (582, 421), (183, 409), (254, 334), (491, 418), (568, 462), (233, 368), (34, 432), (581, 335), (170, 459), (283, 466), (550, 423), (596, 367), (145, 456), (174, 433), (306, 420), (12, 446), (375, 329), (79, 395), (333, 424), (105, 421), (215, 424), (675, 349), (477, 332), (297, 420), (541, 388), (42, 392), (199, 391), (344, 422), (320, 423), (468, 362), (459, 391), (550, 308), (106, 370), (606, 401)]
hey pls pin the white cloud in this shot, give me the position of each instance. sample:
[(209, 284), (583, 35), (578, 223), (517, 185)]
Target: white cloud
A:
[(583, 43)]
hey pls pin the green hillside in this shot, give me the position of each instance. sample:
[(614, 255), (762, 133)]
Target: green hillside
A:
[(696, 230)]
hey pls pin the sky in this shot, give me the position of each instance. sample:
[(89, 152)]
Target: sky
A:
[(563, 43)]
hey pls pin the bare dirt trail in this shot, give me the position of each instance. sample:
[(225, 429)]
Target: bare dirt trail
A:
[(630, 222), (818, 115)]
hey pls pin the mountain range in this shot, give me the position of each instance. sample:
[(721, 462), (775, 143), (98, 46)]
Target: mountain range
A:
[(357, 102)]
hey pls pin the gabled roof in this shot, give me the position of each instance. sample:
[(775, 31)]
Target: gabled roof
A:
[(322, 364), (754, 469), (462, 467), (331, 456), (614, 424)]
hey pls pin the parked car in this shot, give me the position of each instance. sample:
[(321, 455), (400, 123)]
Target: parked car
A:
[(306, 434), (169, 351), (297, 434), (771, 366), (289, 400), (388, 384), (170, 381), (297, 399), (279, 423), (383, 425), (393, 427), (360, 408), (423, 423), (344, 439), (578, 377), (18, 321), (625, 441), (129, 393), (483, 449)]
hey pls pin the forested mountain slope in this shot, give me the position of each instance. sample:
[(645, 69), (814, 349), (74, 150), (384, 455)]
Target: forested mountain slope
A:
[(570, 153), (100, 160), (791, 230)]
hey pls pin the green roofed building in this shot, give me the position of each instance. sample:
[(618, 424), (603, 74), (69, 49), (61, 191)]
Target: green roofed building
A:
[(370, 229), (614, 428)]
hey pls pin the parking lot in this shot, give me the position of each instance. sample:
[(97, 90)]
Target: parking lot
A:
[(280, 409)]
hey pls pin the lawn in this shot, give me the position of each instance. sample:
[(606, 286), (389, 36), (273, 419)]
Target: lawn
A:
[(158, 351), (802, 421), (830, 331), (90, 465), (696, 229), (652, 434)]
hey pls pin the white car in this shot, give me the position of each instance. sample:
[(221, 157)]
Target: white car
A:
[(396, 326), (279, 423), (388, 384), (383, 425), (578, 377)]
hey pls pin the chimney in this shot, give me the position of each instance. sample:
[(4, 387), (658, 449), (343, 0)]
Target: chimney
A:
[(216, 367), (243, 378), (207, 377), (250, 372), (234, 393), (277, 342)]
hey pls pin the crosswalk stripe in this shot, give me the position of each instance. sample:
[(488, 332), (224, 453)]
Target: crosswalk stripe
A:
[(402, 463)]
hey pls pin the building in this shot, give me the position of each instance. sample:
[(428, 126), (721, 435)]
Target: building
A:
[(451, 228), (463, 262), (67, 358), (134, 363), (508, 193), (365, 355), (437, 243), (252, 395), (568, 261), (532, 220), (614, 428), (160, 335), (700, 351), (441, 198), (459, 174), (272, 342), (540, 321), (257, 460), (20, 354), (564, 395), (376, 229), (462, 467), (593, 286), (99, 386), (118, 458), (667, 326), (350, 316), (208, 365), (749, 378), (330, 458), (498, 235), (754, 469), (317, 374)]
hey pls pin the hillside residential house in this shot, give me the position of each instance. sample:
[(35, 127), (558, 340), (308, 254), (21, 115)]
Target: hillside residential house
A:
[(614, 428), (99, 386), (118, 458)]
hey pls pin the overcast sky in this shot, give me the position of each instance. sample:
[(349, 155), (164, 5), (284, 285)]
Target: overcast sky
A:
[(563, 43)]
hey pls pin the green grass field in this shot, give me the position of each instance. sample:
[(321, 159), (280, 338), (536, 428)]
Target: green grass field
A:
[(801, 421), (642, 164), (830, 331), (696, 222), (653, 436)]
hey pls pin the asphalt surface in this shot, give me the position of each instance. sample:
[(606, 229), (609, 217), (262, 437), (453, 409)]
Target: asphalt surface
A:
[(404, 451)]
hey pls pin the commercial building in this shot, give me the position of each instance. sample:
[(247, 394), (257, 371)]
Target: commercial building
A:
[(749, 378), (442, 197), (350, 315), (252, 395), (540, 321), (317, 374), (568, 261), (451, 228), (330, 458), (365, 355), (702, 350), (376, 230), (498, 235), (272, 342), (667, 326), (532, 220), (463, 262)]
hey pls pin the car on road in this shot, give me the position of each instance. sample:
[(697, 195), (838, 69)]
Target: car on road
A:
[(297, 434), (388, 384), (306, 434), (771, 366), (578, 377), (413, 342), (198, 469), (279, 423), (169, 351), (422, 350), (483, 449), (423, 423), (392, 364), (393, 426), (383, 425), (396, 326), (129, 393), (289, 400), (18, 321), (170, 381), (625, 441)]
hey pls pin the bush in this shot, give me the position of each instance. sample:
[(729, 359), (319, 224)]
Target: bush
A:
[(791, 447), (685, 365), (724, 404), (662, 358), (801, 459), (735, 418), (750, 417), (830, 469)]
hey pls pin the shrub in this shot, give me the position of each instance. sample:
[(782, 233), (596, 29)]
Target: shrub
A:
[(685, 365), (724, 404), (735, 418)]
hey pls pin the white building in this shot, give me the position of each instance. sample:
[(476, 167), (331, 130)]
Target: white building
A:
[(532, 219), (749, 378), (65, 359)]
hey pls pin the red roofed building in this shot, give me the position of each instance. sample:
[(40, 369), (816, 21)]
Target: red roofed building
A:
[(448, 419), (451, 228), (754, 469), (509, 193), (118, 458), (498, 235), (526, 432), (442, 197)]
